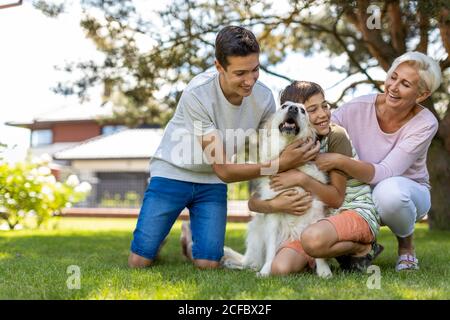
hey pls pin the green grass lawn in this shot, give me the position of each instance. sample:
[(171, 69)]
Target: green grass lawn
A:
[(33, 265)]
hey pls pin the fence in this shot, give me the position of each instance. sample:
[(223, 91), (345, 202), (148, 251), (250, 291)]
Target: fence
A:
[(126, 190)]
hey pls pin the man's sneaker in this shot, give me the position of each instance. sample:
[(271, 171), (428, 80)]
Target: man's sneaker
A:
[(186, 238)]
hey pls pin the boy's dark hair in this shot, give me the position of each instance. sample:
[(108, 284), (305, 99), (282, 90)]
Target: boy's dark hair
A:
[(300, 91), (234, 41)]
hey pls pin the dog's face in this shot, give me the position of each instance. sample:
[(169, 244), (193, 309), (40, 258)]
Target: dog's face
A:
[(292, 121), (289, 123)]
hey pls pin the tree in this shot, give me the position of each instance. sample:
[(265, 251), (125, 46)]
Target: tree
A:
[(371, 34)]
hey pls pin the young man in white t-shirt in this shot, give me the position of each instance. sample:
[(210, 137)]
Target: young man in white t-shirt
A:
[(191, 166)]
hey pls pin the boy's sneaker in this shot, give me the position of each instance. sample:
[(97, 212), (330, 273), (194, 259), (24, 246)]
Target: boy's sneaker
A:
[(360, 264)]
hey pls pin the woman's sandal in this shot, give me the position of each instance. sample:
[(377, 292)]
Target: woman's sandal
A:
[(407, 262)]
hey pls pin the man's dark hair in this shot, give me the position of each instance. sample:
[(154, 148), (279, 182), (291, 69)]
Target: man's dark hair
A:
[(234, 41), (300, 91)]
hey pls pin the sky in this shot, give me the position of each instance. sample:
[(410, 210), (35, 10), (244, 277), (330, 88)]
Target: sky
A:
[(32, 45)]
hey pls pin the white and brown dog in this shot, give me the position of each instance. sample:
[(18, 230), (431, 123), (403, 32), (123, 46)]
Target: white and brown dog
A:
[(266, 232)]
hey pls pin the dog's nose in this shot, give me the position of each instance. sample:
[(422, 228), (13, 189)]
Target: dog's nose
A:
[(293, 110)]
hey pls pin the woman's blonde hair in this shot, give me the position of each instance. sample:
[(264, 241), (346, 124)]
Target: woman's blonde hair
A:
[(429, 70)]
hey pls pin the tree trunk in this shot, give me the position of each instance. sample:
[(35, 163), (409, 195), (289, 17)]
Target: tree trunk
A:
[(439, 169)]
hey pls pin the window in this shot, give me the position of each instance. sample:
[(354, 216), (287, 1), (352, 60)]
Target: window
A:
[(41, 137), (111, 129)]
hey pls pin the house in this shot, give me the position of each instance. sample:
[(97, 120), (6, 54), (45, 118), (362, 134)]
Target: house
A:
[(67, 126), (86, 141), (114, 159), (116, 165)]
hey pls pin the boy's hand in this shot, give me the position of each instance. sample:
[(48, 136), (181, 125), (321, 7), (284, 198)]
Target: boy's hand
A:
[(291, 202), (287, 179), (298, 153)]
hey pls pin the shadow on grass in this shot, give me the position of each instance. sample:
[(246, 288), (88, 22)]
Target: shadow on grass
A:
[(34, 266)]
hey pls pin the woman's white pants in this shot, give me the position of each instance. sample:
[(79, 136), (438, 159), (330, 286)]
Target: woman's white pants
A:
[(401, 202)]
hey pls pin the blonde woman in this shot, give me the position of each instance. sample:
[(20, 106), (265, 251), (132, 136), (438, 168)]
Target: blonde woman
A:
[(391, 133)]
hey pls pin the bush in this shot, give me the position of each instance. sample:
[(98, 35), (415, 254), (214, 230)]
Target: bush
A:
[(238, 191), (29, 189)]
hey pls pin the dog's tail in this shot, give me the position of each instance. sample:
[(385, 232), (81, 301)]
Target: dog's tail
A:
[(232, 259)]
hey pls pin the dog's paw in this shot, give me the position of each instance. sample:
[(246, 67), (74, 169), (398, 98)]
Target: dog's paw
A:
[(230, 264), (265, 271), (323, 269), (252, 266), (324, 273), (263, 274)]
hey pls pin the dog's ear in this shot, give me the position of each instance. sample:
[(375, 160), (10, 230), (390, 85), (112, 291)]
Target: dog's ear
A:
[(313, 131)]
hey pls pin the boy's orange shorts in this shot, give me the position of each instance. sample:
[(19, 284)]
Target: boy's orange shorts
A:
[(349, 226)]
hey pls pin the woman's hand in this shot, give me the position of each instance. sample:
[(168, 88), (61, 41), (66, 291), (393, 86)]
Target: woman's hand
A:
[(287, 179), (328, 161), (291, 202)]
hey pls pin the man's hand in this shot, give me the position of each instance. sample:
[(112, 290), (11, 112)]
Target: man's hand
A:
[(291, 202), (298, 153)]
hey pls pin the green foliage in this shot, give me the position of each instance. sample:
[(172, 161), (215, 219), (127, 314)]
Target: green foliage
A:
[(238, 191), (29, 189), (49, 9), (150, 56)]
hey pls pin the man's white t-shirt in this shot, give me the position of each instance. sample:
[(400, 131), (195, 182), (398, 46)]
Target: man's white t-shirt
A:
[(203, 109)]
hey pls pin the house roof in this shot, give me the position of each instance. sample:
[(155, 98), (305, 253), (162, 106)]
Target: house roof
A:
[(52, 148), (83, 112), (125, 144)]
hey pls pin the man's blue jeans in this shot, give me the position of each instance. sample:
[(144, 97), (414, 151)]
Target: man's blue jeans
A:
[(163, 202)]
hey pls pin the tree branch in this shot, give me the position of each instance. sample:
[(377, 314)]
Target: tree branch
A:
[(349, 75), (379, 49), (313, 27), (350, 55), (275, 74), (444, 64), (424, 25), (353, 86), (4, 6), (444, 28), (397, 29)]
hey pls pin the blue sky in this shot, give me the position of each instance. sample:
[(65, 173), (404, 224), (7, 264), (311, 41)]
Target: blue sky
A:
[(33, 44)]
